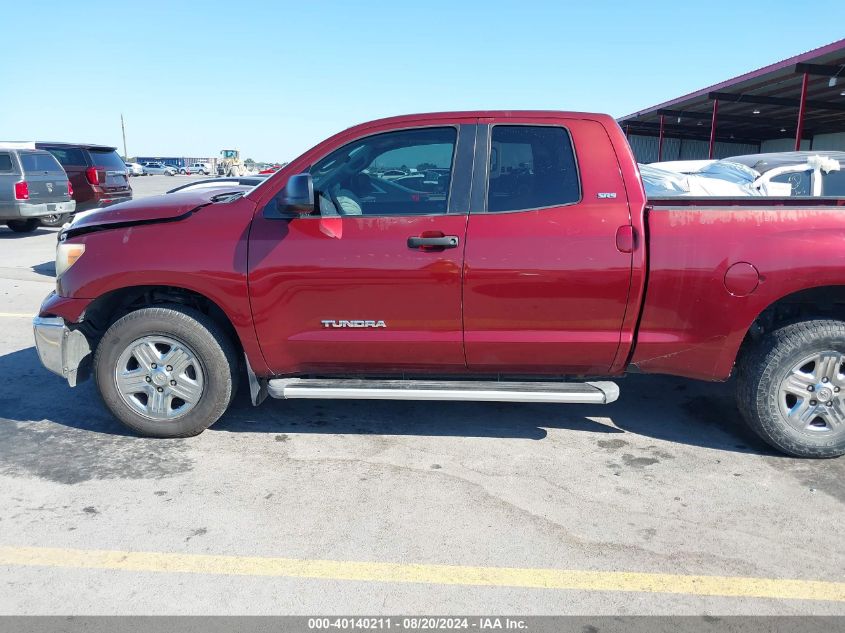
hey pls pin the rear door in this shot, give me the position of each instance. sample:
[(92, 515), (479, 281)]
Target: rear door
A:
[(545, 287), (372, 283), (46, 180)]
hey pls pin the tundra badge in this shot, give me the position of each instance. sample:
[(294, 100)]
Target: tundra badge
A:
[(330, 323)]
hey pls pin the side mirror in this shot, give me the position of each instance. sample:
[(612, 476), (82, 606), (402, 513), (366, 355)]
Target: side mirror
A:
[(296, 198)]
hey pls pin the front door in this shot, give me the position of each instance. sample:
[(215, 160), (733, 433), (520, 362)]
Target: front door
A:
[(546, 287), (371, 284)]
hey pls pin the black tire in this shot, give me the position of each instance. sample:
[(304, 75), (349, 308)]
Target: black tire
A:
[(54, 220), (213, 348), (759, 376), (23, 226)]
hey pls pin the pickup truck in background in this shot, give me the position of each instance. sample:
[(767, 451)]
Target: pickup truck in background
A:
[(534, 269), (33, 186)]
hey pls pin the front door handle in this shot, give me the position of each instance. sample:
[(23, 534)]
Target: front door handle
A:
[(431, 243)]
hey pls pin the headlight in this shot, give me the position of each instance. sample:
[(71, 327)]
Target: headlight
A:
[(67, 255)]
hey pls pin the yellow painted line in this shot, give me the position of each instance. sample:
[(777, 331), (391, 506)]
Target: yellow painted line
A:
[(15, 315), (775, 588)]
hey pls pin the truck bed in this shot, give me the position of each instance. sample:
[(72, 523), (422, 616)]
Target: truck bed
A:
[(715, 264)]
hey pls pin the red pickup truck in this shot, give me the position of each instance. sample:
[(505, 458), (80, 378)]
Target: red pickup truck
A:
[(522, 263)]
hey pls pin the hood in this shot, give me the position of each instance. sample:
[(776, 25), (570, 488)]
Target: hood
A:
[(165, 207)]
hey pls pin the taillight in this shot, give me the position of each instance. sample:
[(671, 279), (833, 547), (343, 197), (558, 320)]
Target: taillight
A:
[(21, 190), (93, 175), (69, 189)]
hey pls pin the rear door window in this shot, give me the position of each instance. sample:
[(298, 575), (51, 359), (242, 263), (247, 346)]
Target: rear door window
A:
[(39, 161), (108, 159), (6, 164), (531, 167)]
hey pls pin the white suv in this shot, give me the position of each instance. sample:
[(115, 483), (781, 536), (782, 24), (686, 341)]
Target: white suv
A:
[(196, 168)]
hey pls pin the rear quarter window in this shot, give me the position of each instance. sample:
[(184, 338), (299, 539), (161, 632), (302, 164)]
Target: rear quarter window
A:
[(39, 161), (6, 163), (68, 155)]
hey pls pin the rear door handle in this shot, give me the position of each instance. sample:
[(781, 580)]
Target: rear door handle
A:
[(446, 241)]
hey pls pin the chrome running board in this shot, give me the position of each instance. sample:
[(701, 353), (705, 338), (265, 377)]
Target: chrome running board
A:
[(600, 392)]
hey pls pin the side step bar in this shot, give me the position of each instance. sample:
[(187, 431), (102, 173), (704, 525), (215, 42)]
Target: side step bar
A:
[(487, 391)]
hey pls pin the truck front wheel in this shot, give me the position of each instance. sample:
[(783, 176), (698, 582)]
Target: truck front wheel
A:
[(791, 388), (166, 371)]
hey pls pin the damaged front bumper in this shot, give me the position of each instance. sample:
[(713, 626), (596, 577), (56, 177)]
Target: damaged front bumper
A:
[(63, 351)]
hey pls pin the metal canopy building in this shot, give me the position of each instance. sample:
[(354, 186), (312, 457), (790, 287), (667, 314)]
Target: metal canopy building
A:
[(798, 103)]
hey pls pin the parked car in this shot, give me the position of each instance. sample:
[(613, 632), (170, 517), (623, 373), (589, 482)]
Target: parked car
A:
[(196, 168), (32, 186), (96, 173), (135, 169), (159, 169), (779, 174), (822, 172), (548, 261)]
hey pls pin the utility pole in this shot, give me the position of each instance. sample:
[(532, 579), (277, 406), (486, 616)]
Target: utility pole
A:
[(123, 129)]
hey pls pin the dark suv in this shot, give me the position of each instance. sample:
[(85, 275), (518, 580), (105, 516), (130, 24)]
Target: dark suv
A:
[(96, 172)]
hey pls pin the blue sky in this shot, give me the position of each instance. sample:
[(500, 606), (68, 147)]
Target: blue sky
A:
[(273, 78)]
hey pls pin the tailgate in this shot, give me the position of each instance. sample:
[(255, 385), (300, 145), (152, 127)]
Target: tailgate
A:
[(45, 178), (112, 170)]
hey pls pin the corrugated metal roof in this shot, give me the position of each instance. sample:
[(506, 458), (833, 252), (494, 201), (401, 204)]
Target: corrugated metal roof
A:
[(758, 105)]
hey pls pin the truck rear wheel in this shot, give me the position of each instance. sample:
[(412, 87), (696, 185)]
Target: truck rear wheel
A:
[(791, 388), (166, 371), (55, 219), (23, 226)]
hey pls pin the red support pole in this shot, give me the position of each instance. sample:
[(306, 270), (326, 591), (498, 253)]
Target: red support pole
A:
[(712, 147), (660, 141), (802, 110)]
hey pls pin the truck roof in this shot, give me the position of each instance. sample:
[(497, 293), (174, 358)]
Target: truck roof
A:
[(482, 114)]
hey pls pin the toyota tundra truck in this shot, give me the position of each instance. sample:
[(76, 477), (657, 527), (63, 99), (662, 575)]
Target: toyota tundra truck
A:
[(532, 268)]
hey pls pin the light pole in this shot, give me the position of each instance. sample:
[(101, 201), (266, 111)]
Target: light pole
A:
[(123, 130)]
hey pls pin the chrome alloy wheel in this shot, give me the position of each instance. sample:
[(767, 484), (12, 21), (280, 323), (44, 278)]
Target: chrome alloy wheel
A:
[(159, 377), (811, 396)]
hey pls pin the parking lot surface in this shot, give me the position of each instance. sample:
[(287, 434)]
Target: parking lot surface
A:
[(659, 503)]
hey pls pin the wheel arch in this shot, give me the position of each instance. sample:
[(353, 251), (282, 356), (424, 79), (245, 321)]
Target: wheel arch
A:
[(103, 311), (819, 302)]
